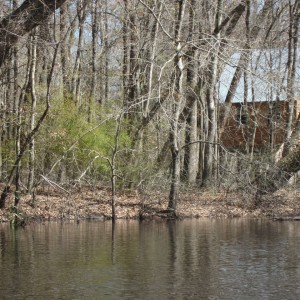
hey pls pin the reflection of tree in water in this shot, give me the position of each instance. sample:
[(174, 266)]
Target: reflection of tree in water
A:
[(192, 259), (171, 225), (113, 248), (3, 244)]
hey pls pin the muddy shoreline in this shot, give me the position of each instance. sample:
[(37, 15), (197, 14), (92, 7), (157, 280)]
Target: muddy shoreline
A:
[(95, 204)]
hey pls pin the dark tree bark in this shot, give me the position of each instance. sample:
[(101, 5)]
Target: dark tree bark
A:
[(21, 21)]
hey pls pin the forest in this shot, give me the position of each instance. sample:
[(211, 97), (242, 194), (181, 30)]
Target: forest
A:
[(149, 95)]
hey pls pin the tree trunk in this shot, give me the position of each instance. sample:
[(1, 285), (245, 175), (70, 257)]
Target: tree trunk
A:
[(106, 53), (177, 97), (64, 52), (291, 69), (190, 165), (24, 97), (76, 76), (210, 162), (93, 62), (125, 37), (31, 163), (133, 82)]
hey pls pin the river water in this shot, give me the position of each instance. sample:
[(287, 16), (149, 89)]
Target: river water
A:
[(190, 259)]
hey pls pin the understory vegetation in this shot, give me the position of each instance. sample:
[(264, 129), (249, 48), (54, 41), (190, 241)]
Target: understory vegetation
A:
[(168, 96)]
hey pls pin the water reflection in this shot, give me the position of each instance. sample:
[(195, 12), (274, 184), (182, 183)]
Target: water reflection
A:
[(191, 259)]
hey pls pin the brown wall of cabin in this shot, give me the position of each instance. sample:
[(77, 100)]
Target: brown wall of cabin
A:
[(266, 119)]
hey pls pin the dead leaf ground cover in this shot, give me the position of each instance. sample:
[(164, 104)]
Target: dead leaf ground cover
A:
[(95, 203)]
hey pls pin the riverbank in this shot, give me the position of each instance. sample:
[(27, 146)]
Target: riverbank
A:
[(95, 203)]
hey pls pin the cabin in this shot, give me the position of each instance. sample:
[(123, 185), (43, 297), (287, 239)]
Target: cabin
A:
[(260, 125)]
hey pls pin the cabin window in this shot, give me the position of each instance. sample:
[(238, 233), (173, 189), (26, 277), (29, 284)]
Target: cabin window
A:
[(242, 116), (274, 116)]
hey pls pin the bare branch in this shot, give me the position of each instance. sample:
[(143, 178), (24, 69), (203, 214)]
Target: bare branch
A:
[(21, 21)]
